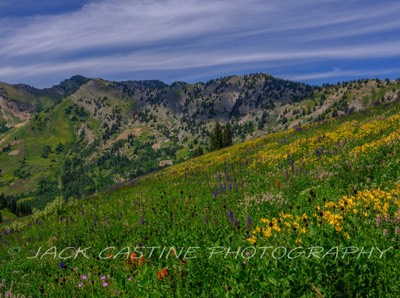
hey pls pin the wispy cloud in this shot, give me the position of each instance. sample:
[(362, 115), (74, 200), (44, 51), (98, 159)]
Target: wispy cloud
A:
[(118, 38), (336, 72)]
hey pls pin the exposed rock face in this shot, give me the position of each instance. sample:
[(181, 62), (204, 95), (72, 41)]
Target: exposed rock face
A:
[(165, 163)]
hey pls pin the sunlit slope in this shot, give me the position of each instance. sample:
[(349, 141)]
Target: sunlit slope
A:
[(24, 162), (113, 132), (287, 205)]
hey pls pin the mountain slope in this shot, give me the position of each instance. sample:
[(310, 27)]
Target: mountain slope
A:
[(88, 134), (19, 102), (305, 211)]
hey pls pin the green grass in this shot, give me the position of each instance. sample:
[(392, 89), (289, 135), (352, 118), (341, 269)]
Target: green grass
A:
[(58, 129), (222, 200), (182, 153), (7, 217)]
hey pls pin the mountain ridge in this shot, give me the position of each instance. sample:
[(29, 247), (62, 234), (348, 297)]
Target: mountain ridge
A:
[(84, 134)]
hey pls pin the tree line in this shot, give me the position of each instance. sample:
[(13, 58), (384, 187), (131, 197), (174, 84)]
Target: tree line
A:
[(10, 203), (221, 137)]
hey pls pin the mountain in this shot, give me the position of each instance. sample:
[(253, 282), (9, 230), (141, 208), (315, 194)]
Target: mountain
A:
[(18, 102), (85, 135), (310, 211)]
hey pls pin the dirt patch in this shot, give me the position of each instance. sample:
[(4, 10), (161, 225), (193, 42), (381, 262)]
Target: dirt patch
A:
[(357, 105), (137, 132), (22, 123), (156, 146), (124, 136), (15, 152), (16, 142), (164, 163)]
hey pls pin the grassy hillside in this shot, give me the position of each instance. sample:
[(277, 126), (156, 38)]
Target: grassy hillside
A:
[(24, 164), (312, 211), (19, 102), (113, 132)]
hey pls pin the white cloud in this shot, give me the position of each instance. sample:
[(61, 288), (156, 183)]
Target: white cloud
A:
[(122, 36), (335, 73)]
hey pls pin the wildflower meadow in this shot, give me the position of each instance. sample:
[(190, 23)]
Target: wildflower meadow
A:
[(313, 211)]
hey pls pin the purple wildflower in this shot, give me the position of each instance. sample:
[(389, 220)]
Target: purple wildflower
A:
[(215, 193), (231, 216), (378, 220), (249, 221), (318, 153)]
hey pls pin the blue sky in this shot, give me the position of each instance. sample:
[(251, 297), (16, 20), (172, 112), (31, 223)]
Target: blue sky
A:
[(314, 41)]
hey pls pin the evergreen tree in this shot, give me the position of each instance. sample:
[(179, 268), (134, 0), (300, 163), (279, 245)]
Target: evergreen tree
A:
[(46, 151), (216, 141), (227, 136), (13, 206), (1, 217), (60, 148), (199, 151), (3, 201)]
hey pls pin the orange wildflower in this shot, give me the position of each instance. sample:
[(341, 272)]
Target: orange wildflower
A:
[(133, 258), (278, 184), (163, 273), (141, 261)]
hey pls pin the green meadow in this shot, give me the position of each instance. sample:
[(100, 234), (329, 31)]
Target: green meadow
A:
[(312, 211)]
